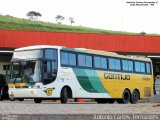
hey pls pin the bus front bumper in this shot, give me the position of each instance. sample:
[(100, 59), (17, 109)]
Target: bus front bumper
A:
[(25, 93)]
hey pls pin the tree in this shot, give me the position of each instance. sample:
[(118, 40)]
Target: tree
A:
[(71, 20), (33, 15), (142, 33), (59, 18)]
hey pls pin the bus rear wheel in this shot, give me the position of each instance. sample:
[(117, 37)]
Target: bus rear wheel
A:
[(64, 95), (134, 97), (37, 100), (125, 97)]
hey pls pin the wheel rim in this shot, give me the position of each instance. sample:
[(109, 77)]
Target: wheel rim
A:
[(135, 96)]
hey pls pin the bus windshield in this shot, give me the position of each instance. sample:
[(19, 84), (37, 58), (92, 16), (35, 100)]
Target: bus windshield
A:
[(28, 54), (26, 71)]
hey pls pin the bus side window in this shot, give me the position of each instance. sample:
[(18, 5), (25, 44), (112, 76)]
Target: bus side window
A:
[(114, 64), (148, 68)]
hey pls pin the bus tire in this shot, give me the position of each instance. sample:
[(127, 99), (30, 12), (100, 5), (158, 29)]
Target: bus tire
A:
[(37, 100), (101, 100), (64, 95), (134, 97), (21, 99), (125, 97), (12, 99), (1, 95)]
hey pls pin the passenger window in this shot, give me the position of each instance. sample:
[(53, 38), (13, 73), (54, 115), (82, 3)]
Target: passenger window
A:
[(137, 67), (148, 68), (127, 65), (142, 67), (64, 58), (72, 59), (114, 64), (118, 64), (130, 65), (104, 63), (88, 61), (81, 60), (97, 62)]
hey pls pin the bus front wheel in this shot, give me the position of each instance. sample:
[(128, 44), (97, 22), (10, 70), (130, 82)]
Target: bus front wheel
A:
[(64, 95), (37, 100), (1, 94), (125, 97), (134, 97)]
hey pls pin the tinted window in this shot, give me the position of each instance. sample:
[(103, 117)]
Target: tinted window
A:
[(142, 67), (84, 60), (88, 61), (104, 63), (130, 65), (68, 58), (100, 62), (148, 68), (139, 67), (72, 59), (64, 58), (114, 64), (97, 62), (118, 64), (81, 60), (51, 54), (127, 65)]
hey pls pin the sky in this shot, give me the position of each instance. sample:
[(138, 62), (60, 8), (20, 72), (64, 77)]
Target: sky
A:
[(115, 15)]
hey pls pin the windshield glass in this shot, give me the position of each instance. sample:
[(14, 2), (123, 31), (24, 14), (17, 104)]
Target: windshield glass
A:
[(26, 71), (29, 54)]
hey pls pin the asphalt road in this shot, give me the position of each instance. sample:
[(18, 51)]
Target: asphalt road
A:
[(81, 110)]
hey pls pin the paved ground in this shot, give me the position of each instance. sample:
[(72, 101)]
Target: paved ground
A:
[(50, 107)]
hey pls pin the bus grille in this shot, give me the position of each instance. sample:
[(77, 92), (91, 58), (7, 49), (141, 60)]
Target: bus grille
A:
[(147, 92), (21, 86)]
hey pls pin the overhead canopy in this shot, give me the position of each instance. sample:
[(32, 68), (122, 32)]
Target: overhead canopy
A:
[(107, 42)]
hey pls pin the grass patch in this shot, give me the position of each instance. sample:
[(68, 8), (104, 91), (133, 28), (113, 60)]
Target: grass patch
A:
[(13, 23)]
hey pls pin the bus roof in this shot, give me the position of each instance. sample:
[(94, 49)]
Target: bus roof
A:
[(37, 47), (84, 50)]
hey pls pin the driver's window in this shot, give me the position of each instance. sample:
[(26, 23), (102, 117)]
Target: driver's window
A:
[(52, 66)]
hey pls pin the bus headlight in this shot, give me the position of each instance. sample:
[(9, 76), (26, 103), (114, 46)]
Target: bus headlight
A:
[(33, 92)]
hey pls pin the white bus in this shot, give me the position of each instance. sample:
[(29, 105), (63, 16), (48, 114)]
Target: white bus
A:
[(56, 72)]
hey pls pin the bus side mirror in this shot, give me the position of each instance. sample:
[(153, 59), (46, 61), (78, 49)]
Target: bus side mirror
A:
[(6, 67)]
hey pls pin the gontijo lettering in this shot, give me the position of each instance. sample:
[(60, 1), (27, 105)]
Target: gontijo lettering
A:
[(116, 76)]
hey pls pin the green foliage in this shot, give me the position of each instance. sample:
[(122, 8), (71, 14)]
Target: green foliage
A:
[(33, 15), (9, 22)]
